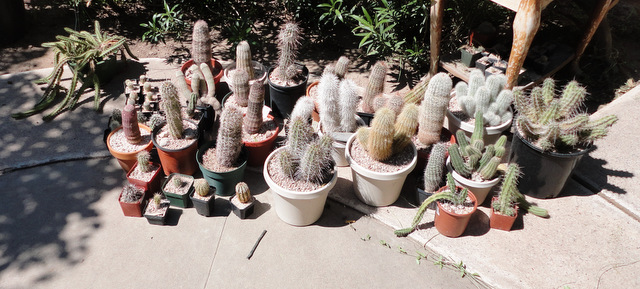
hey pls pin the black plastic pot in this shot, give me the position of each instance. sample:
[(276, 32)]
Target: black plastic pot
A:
[(469, 58), (283, 98), (204, 208), (544, 174), (366, 117)]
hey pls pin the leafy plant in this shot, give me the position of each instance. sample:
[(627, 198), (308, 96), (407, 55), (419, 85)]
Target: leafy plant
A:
[(170, 22), (333, 10)]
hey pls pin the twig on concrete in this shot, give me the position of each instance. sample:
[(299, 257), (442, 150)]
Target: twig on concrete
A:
[(256, 244)]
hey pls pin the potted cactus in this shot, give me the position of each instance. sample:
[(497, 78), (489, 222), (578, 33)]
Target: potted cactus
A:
[(223, 163), (474, 166), (375, 88), (255, 70), (288, 80), (177, 188), (433, 109), (469, 54), (301, 174), (455, 205), (177, 140), (383, 155), (203, 197), (340, 70), (552, 135), (433, 171), (338, 101), (156, 211), (504, 206), (131, 200), (242, 202), (126, 141), (201, 54), (486, 96), (146, 174), (259, 130)]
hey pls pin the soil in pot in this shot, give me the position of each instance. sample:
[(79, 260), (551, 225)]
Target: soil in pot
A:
[(177, 188), (278, 176), (223, 178), (125, 152), (217, 72), (451, 220)]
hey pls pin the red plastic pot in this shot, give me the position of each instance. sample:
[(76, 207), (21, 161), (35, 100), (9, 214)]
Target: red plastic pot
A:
[(214, 63), (452, 224), (315, 114), (127, 160), (259, 151), (151, 186), (181, 161), (500, 221), (132, 209)]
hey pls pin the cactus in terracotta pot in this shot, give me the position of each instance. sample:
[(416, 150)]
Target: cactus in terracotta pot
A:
[(240, 87), (172, 109), (253, 120), (201, 44), (229, 141), (433, 108), (131, 194), (144, 161), (130, 124), (243, 193)]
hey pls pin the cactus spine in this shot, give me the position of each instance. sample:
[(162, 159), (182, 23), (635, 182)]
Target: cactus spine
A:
[(144, 164), (130, 124), (172, 109), (243, 193), (433, 108), (328, 98), (201, 44), (288, 42), (243, 58), (201, 187), (229, 141), (253, 120), (375, 86), (131, 194)]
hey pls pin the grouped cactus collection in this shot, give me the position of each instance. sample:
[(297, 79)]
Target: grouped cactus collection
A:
[(556, 123), (338, 99), (388, 135), (487, 96)]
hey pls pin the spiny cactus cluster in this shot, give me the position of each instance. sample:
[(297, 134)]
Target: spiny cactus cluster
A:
[(243, 193), (172, 109), (201, 187), (472, 156), (488, 97), (229, 140), (556, 123), (433, 108), (435, 167), (243, 58), (388, 136), (338, 101), (144, 161), (253, 120), (288, 42), (130, 124), (449, 193), (375, 86), (131, 194)]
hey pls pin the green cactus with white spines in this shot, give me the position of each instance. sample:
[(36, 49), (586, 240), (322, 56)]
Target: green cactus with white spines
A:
[(288, 42), (487, 96), (201, 44), (157, 200), (252, 123), (433, 108), (300, 134), (201, 187), (243, 193), (131, 194), (229, 140), (507, 197), (243, 58), (375, 86), (435, 167), (288, 163), (315, 160), (328, 99), (555, 123), (144, 161), (348, 104), (172, 109), (191, 105)]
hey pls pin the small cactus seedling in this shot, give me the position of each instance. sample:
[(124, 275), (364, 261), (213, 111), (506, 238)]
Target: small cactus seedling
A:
[(201, 187), (433, 108), (243, 193), (288, 42), (130, 124), (229, 141), (157, 200), (116, 119), (156, 120), (177, 181), (144, 161), (131, 194)]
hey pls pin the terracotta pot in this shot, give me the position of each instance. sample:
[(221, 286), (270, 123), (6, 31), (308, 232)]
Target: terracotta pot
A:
[(127, 160), (500, 221), (315, 114), (214, 63), (480, 189), (452, 224), (132, 209), (150, 187), (259, 151), (177, 161)]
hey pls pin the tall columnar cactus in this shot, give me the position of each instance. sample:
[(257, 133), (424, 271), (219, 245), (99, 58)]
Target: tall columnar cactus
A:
[(342, 67), (303, 109), (201, 44), (172, 109), (467, 158), (130, 124), (306, 157), (555, 123), (144, 161), (243, 193), (378, 140), (229, 140), (375, 86), (507, 197), (191, 105), (433, 108), (486, 96), (300, 134), (210, 97), (240, 87), (328, 99), (288, 42), (253, 120), (405, 127), (416, 94), (435, 167), (315, 160), (116, 119), (201, 187), (243, 58), (348, 104)]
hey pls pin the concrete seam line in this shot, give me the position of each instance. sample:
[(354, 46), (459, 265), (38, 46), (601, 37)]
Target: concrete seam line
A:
[(29, 165), (215, 253), (587, 184), (619, 206)]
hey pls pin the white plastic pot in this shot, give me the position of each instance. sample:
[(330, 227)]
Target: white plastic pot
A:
[(479, 189), (297, 208), (374, 188), (491, 133)]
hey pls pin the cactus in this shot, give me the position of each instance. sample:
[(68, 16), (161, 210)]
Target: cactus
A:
[(433, 108), (172, 109), (197, 79), (210, 98), (288, 164), (348, 103), (116, 119), (416, 94), (328, 98), (395, 103), (243, 193), (315, 160), (240, 87), (201, 187), (156, 120), (229, 141), (375, 86), (435, 167), (191, 105), (300, 134), (405, 126), (181, 86), (131, 194), (253, 120), (486, 96), (177, 181), (144, 158), (380, 140), (146, 87), (201, 44), (143, 80), (342, 67), (303, 108), (554, 123), (157, 200), (507, 197), (130, 124), (288, 42), (243, 58)]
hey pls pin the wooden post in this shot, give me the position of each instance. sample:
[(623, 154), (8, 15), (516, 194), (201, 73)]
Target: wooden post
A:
[(437, 9), (525, 26), (598, 14)]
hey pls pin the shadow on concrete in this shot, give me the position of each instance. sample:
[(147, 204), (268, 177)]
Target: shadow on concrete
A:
[(336, 214), (478, 224), (592, 174)]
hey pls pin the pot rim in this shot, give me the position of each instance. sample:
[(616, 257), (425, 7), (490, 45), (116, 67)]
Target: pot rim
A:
[(550, 153), (256, 64), (243, 155), (305, 73), (471, 195), (147, 147), (216, 63), (493, 211), (486, 184), (296, 194), (155, 131), (378, 175)]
